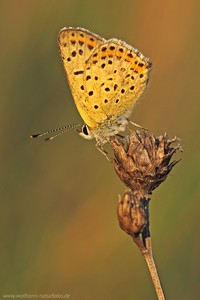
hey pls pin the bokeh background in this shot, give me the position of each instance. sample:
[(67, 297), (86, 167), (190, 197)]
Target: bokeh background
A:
[(59, 232)]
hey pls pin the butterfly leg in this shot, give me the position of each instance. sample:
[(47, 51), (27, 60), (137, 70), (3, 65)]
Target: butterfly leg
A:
[(136, 125), (102, 150)]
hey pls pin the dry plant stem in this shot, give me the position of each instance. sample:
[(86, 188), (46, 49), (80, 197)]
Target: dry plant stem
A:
[(142, 162), (154, 275), (148, 256)]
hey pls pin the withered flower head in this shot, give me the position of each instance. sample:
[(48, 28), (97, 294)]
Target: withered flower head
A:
[(142, 161)]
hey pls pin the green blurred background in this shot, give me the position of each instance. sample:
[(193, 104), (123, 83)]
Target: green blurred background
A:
[(59, 231)]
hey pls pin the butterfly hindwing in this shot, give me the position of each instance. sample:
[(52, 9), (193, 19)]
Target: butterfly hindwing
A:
[(117, 75)]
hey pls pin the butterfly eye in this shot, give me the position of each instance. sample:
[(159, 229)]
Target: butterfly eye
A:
[(85, 130), (85, 133)]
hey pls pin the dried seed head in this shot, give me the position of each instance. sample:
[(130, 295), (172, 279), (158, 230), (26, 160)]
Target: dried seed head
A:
[(142, 161)]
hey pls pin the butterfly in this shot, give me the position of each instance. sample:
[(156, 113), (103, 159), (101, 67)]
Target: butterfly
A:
[(106, 78)]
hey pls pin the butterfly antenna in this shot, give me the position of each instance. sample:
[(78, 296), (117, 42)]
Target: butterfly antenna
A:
[(62, 129)]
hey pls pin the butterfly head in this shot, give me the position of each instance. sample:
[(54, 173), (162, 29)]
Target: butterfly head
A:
[(107, 129)]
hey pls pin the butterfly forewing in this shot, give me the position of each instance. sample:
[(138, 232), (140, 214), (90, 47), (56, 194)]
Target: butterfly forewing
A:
[(76, 46)]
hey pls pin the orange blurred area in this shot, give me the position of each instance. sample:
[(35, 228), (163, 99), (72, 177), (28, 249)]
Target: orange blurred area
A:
[(59, 230)]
